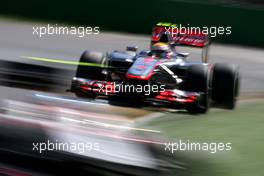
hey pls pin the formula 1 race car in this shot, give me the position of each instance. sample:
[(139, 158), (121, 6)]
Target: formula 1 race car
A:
[(161, 75)]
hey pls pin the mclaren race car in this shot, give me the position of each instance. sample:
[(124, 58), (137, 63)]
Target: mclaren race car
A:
[(161, 75)]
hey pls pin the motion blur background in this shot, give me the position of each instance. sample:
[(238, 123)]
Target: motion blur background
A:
[(137, 16), (48, 112)]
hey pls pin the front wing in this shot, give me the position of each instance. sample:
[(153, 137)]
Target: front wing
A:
[(107, 88)]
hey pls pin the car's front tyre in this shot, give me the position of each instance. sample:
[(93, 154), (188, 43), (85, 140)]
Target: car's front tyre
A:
[(91, 65), (198, 80)]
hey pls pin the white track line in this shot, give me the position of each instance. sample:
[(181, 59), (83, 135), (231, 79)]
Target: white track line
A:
[(69, 100)]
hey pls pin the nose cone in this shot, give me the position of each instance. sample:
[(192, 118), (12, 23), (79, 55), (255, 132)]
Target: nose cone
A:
[(142, 68)]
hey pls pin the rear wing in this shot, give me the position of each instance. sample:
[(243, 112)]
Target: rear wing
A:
[(175, 35)]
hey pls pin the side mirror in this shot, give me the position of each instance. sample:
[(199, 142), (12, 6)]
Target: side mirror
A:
[(132, 48), (145, 53), (184, 54)]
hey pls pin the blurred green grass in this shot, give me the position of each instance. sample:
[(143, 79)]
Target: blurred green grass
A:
[(242, 127)]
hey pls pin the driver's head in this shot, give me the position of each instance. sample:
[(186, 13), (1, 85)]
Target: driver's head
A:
[(161, 50)]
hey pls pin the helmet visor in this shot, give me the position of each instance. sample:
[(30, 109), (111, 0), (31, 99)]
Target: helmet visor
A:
[(159, 53)]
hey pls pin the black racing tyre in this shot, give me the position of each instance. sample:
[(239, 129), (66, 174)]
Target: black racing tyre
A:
[(90, 67), (94, 70), (225, 85), (198, 80)]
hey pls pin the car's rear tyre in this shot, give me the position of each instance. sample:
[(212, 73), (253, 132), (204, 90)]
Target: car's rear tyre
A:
[(91, 65), (225, 85), (198, 80)]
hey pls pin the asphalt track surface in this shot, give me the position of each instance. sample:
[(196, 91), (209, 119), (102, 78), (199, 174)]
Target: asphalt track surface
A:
[(17, 40)]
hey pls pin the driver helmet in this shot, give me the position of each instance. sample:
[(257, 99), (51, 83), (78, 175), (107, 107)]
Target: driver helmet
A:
[(161, 50)]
